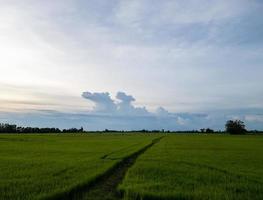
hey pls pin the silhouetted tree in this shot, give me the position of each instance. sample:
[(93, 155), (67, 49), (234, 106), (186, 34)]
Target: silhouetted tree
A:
[(235, 127), (209, 130), (202, 130)]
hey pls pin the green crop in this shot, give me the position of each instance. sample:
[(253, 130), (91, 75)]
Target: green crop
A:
[(41, 166), (218, 167)]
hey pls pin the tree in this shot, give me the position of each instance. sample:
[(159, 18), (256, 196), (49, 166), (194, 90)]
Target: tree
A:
[(235, 127), (209, 130), (202, 130)]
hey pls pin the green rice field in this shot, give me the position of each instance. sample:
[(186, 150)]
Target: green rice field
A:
[(201, 167), (41, 166), (179, 166)]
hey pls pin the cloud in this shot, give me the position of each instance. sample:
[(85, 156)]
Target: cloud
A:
[(103, 102), (182, 121), (197, 59), (120, 113), (179, 47), (160, 111), (170, 121), (125, 105), (136, 12), (126, 99)]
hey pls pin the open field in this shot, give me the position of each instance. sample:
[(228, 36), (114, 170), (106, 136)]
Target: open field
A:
[(41, 166), (138, 166), (198, 167)]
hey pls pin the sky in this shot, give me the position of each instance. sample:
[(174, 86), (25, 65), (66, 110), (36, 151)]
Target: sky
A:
[(131, 64)]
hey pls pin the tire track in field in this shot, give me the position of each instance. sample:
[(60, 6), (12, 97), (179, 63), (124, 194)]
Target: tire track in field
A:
[(105, 186)]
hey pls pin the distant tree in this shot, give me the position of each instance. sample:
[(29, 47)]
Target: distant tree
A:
[(209, 130), (202, 130), (235, 127), (206, 130)]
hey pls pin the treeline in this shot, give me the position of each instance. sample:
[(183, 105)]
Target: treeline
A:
[(205, 130), (231, 128), (200, 131), (12, 128)]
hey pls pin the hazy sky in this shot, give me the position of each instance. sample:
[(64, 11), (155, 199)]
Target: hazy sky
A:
[(131, 64)]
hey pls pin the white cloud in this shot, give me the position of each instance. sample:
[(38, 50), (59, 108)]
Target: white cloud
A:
[(104, 104), (125, 105)]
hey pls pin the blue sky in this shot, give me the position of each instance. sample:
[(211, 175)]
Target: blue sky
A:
[(131, 64)]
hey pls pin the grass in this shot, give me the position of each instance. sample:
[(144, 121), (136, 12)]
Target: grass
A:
[(42, 166), (218, 167), (180, 166)]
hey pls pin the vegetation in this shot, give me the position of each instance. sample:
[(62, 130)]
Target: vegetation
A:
[(235, 127), (232, 127), (12, 128), (168, 166), (41, 166), (215, 167)]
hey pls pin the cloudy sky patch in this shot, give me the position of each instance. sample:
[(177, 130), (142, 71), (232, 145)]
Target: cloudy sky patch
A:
[(190, 57)]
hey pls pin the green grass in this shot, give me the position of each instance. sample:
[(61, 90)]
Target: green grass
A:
[(40, 166), (201, 167), (221, 167)]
